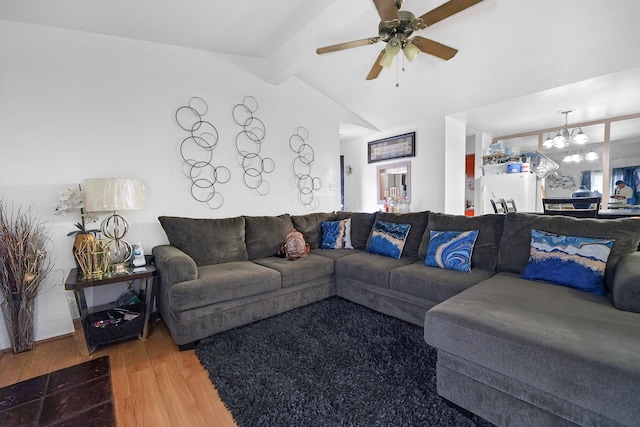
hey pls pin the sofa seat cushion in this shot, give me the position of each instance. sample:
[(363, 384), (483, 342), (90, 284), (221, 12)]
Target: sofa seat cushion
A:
[(223, 282), (433, 283), (572, 345), (335, 254), (298, 271), (370, 268)]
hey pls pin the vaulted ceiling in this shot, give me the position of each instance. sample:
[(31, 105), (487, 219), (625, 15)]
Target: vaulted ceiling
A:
[(519, 62)]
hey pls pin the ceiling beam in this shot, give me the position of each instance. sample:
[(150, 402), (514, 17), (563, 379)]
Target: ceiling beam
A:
[(573, 125)]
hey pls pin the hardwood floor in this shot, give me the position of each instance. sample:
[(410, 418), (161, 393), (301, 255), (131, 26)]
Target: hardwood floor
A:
[(154, 384)]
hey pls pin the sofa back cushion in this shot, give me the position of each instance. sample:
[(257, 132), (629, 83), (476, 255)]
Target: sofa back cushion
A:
[(265, 234), (207, 241), (418, 221), (515, 244), (309, 226), (361, 225), (485, 250)]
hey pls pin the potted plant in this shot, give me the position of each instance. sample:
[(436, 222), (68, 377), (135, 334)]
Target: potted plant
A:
[(23, 267), (71, 199)]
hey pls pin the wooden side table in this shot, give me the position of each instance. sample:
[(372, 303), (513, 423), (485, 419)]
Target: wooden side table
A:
[(112, 333)]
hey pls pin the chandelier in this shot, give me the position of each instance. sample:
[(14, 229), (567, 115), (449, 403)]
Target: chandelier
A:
[(590, 156), (564, 137)]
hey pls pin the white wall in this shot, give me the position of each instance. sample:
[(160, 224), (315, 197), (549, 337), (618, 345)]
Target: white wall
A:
[(427, 169), (454, 159), (75, 105)]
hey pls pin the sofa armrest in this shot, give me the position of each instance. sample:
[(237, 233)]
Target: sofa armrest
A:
[(626, 283), (174, 265)]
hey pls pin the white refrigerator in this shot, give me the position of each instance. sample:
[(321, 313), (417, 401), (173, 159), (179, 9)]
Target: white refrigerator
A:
[(524, 188)]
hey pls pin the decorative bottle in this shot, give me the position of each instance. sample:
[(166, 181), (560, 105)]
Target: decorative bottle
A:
[(138, 255)]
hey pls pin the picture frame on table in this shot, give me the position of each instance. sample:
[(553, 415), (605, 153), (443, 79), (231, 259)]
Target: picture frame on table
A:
[(395, 147)]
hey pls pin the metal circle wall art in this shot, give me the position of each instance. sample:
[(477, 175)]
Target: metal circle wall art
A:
[(249, 145), (301, 168), (197, 153)]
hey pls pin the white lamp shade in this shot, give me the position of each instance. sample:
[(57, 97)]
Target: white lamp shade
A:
[(591, 156), (113, 194), (580, 138), (386, 60), (411, 51), (393, 46)]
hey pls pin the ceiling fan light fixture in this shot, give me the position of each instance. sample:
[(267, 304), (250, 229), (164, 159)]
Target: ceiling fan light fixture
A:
[(395, 28), (386, 60), (390, 51), (393, 46), (410, 51)]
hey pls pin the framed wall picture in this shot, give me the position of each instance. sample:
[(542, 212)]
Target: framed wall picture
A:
[(394, 147)]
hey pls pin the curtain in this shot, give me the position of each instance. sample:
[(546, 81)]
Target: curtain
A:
[(586, 179), (631, 176)]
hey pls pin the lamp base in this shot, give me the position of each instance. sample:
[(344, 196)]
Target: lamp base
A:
[(119, 268)]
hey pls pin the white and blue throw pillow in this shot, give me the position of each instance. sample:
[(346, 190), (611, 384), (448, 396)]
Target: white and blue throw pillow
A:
[(576, 262), (388, 238), (451, 250), (347, 234)]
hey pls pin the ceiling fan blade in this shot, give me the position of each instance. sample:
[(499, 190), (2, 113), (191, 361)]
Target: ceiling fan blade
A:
[(446, 10), (375, 70), (347, 45), (434, 48), (386, 9)]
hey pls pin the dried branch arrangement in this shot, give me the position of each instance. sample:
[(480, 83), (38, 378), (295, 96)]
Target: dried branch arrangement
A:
[(23, 266)]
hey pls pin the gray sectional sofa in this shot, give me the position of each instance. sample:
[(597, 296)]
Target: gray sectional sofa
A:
[(514, 351)]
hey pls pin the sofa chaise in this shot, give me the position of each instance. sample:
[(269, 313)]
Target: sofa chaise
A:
[(514, 351)]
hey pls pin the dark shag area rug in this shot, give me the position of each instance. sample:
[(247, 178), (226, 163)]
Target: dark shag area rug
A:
[(331, 363)]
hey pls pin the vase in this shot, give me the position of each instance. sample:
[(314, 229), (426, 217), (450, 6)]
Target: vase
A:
[(18, 316), (581, 192), (92, 256), (78, 243)]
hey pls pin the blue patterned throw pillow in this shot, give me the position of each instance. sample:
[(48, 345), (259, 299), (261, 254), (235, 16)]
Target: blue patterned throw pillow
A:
[(451, 250), (576, 262), (336, 234), (332, 233), (387, 238)]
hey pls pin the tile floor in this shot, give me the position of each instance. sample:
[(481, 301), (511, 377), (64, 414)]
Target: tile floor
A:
[(80, 395)]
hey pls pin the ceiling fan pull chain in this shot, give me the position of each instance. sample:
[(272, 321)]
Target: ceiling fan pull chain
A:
[(398, 73)]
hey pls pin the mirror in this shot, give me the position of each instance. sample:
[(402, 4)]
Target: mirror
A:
[(394, 180), (579, 164), (624, 161)]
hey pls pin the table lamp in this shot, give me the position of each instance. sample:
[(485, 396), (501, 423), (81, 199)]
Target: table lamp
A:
[(114, 194)]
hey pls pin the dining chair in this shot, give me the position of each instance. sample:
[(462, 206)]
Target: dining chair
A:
[(499, 206)]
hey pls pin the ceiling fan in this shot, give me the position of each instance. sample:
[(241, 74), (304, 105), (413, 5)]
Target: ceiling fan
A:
[(396, 28)]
